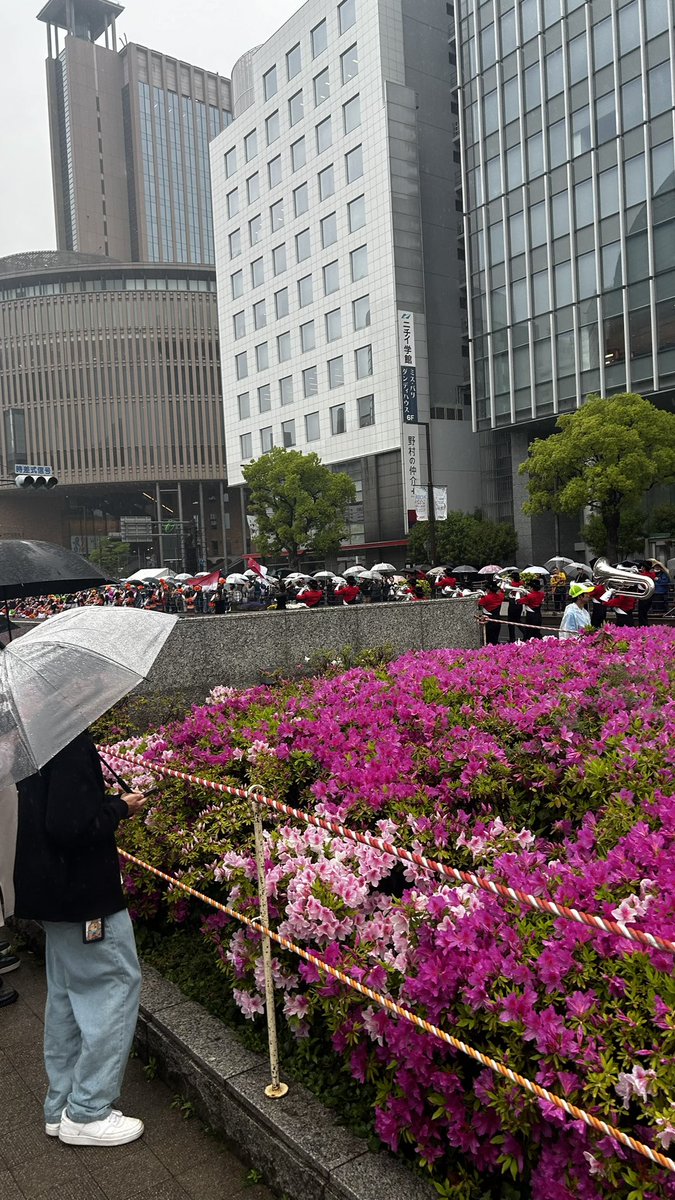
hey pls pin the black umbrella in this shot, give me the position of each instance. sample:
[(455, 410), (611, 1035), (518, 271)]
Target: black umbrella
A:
[(32, 568)]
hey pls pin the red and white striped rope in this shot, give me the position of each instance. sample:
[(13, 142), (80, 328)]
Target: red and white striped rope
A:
[(385, 1002), (542, 904)]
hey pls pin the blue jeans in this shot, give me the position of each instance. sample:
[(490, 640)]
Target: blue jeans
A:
[(90, 1018)]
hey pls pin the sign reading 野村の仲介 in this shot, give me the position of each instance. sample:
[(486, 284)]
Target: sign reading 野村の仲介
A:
[(406, 339)]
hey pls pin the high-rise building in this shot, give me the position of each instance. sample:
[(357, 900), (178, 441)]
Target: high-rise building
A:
[(129, 130), (569, 194), (337, 257)]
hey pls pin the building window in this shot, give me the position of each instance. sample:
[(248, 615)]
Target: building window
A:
[(237, 281), (331, 278), (259, 315), (338, 419), (321, 87), (301, 199), (264, 398), (270, 83), (257, 272), (255, 229), (294, 62), (358, 260), (351, 114), (326, 182), (286, 390), (272, 127), (363, 358), (356, 212), (244, 403), (365, 406), (239, 321), (233, 203), (231, 162), (312, 427), (305, 290), (241, 365), (266, 439), (251, 145), (234, 242), (346, 15), (298, 154), (303, 247), (354, 164), (310, 383), (324, 136), (246, 446), (261, 357), (284, 347), (333, 325), (349, 63), (277, 216), (307, 338), (319, 37), (328, 230), (253, 187), (336, 372), (361, 312), (281, 303), (274, 171), (296, 108), (288, 433), (279, 259)]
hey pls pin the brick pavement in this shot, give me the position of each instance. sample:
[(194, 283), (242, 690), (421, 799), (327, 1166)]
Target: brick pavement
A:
[(174, 1160)]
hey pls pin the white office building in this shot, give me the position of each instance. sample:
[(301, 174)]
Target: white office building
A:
[(337, 257)]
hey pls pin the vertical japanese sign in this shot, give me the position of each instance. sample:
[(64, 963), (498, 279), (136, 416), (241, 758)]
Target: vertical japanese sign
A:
[(406, 341)]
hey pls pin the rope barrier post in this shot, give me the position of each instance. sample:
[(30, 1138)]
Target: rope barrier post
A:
[(276, 1089)]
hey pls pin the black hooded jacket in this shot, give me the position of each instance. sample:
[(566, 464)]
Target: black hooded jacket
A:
[(66, 866)]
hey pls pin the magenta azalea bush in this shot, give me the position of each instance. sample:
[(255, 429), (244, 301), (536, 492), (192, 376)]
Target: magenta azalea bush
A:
[(548, 766)]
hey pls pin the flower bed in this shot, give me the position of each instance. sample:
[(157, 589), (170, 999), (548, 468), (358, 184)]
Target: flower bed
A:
[(548, 765)]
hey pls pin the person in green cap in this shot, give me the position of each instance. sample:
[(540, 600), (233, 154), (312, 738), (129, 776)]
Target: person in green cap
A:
[(576, 616)]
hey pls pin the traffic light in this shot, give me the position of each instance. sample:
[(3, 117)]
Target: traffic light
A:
[(34, 477)]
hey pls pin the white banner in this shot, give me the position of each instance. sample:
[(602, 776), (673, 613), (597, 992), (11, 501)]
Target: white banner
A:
[(440, 503)]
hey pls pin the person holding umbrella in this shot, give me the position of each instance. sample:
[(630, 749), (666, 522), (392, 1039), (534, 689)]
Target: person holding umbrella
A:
[(53, 682)]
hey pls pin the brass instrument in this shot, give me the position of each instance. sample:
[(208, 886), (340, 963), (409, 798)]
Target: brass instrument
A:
[(622, 580)]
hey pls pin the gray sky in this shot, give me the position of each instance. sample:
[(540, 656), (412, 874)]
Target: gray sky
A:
[(208, 33)]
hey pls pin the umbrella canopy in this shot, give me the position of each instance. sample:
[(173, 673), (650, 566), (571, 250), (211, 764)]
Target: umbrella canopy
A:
[(237, 578), (577, 566), (558, 562), (355, 570), (535, 571), (31, 568), (464, 570), (183, 577), (436, 571), (297, 577), (491, 569), (64, 674), (384, 568), (323, 575), (152, 575)]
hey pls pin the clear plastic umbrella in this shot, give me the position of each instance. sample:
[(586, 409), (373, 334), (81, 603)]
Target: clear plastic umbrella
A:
[(490, 569), (384, 568), (558, 561), (535, 571), (60, 677), (237, 578), (357, 569), (324, 575)]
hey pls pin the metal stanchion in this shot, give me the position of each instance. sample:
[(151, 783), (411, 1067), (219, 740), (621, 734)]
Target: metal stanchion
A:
[(276, 1089)]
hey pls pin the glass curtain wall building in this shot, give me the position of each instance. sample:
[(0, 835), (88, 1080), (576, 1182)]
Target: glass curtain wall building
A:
[(569, 197)]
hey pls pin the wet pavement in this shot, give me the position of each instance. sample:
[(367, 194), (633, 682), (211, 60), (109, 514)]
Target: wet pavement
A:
[(174, 1160)]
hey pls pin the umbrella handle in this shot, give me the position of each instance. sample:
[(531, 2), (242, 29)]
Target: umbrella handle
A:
[(9, 624)]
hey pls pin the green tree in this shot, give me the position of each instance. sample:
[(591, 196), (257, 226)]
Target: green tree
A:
[(632, 528), (297, 502), (111, 555), (606, 457), (465, 538)]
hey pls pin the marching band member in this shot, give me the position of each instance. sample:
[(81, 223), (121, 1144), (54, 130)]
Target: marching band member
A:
[(531, 609), (491, 604)]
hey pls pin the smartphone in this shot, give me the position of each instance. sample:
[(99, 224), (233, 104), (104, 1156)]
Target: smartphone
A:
[(152, 792)]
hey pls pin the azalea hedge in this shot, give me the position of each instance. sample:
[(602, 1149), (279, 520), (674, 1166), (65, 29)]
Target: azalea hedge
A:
[(547, 765)]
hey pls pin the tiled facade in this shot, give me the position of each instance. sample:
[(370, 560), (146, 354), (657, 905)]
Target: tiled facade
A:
[(319, 209)]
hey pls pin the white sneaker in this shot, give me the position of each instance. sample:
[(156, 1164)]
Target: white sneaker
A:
[(52, 1127), (114, 1130)]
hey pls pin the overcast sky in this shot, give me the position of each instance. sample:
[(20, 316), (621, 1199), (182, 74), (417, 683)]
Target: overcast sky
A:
[(208, 33)]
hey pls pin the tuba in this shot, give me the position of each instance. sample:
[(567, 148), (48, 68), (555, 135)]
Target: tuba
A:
[(622, 580)]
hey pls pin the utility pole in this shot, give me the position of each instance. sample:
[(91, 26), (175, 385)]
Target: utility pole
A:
[(430, 491)]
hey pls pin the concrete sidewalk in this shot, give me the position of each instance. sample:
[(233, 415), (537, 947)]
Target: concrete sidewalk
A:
[(174, 1160)]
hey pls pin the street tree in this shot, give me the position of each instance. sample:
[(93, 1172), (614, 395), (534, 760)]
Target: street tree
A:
[(465, 538), (298, 503), (606, 457), (111, 555)]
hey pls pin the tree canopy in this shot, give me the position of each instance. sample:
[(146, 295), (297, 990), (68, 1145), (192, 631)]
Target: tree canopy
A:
[(606, 456), (463, 538), (297, 503), (111, 555)]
